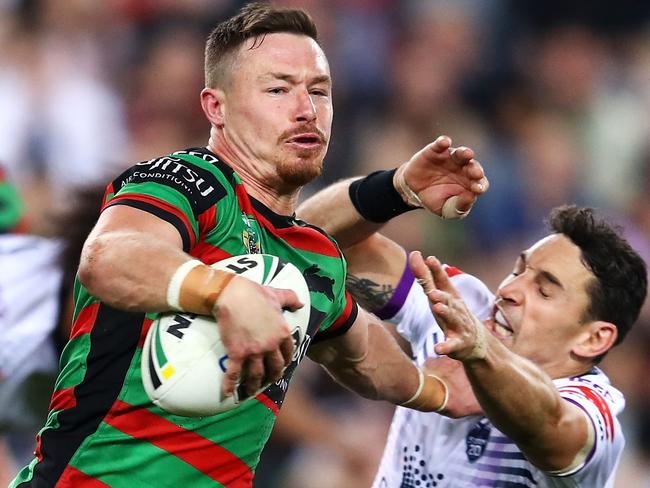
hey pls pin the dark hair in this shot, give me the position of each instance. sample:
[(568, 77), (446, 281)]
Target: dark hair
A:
[(253, 21), (619, 288)]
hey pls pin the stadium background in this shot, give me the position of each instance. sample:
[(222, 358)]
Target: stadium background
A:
[(554, 96)]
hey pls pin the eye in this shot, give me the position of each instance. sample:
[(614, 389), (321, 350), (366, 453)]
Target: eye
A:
[(277, 90), (319, 92), (543, 293)]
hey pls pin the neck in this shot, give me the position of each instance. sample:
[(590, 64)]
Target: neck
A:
[(260, 179)]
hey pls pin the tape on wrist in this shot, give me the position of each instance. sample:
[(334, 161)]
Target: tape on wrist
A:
[(446, 399), (417, 403), (412, 198), (418, 392), (176, 283)]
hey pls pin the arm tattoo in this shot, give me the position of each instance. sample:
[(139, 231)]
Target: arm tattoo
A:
[(370, 295)]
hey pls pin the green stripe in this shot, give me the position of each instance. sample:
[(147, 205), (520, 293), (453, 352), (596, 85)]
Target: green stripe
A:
[(121, 461), (160, 353), (73, 359), (268, 264)]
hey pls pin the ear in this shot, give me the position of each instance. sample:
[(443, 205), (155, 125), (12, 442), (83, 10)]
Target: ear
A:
[(212, 102), (597, 339)]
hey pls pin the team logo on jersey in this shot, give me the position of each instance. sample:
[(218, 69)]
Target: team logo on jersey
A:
[(249, 236), (477, 439), (317, 283)]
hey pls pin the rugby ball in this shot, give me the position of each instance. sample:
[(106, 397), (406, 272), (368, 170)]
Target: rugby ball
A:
[(183, 359)]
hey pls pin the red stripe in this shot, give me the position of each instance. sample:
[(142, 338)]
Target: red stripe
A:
[(85, 321), (206, 456), (63, 399), (109, 191), (268, 403), (244, 200), (304, 238), (73, 478), (208, 253), (452, 271), (307, 239), (601, 404), (146, 325), (343, 318), (207, 220), (162, 204)]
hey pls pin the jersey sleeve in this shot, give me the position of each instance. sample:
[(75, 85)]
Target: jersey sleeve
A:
[(344, 309), (177, 189), (601, 403), (409, 307)]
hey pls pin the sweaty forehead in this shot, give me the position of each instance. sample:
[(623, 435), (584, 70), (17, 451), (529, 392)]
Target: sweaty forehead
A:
[(294, 54)]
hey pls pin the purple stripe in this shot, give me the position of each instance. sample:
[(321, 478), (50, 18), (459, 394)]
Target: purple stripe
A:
[(399, 297), (505, 455)]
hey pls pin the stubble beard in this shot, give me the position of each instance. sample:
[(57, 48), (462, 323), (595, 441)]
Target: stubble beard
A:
[(302, 168)]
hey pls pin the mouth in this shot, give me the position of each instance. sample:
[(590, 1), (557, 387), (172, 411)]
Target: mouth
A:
[(307, 140), (502, 327)]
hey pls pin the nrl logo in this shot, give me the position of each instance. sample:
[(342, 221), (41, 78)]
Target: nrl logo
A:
[(249, 236)]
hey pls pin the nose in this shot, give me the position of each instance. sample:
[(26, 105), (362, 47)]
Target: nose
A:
[(305, 108), (511, 290)]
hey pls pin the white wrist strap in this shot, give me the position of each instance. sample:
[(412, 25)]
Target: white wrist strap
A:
[(446, 400), (418, 391), (412, 198), (175, 284)]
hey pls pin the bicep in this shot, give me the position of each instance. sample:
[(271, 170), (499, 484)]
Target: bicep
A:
[(375, 268), (125, 219), (566, 444)]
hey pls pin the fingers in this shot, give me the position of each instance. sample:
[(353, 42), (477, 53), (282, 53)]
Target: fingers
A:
[(441, 144), (287, 298), (440, 277), (421, 272), (253, 373), (232, 376), (286, 350), (462, 155)]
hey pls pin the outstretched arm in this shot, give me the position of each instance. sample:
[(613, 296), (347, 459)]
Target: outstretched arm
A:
[(443, 179), (367, 360), (516, 395)]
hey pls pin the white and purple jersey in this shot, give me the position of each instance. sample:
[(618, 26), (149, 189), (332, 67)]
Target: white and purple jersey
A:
[(426, 450)]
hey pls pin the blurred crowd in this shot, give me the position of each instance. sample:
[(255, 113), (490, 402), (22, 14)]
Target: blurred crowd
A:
[(553, 96)]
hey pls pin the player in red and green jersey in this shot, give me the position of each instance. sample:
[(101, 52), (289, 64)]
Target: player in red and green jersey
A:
[(268, 99)]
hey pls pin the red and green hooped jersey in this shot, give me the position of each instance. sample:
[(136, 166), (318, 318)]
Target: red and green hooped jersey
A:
[(102, 430)]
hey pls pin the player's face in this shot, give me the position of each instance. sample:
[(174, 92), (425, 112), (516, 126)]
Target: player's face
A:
[(279, 106), (540, 306)]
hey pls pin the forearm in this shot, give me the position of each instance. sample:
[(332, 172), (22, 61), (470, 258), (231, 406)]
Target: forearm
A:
[(522, 402), (518, 396), (332, 210), (382, 372)]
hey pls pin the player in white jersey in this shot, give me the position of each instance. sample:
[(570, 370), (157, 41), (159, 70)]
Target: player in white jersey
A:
[(426, 450), (544, 415)]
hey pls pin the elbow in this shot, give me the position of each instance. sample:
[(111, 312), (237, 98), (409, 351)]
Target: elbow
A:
[(90, 265), (102, 276)]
